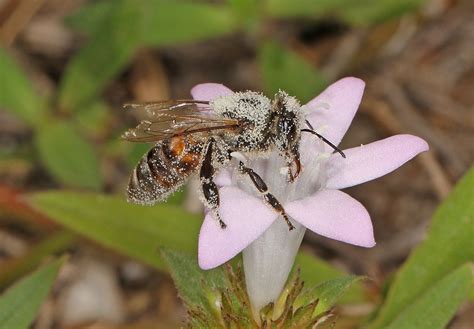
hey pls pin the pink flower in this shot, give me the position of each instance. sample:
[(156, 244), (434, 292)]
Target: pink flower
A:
[(313, 201)]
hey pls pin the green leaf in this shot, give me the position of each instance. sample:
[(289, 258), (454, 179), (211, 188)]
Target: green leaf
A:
[(314, 271), (448, 245), (134, 230), (437, 306), (248, 12), (361, 12), (54, 243), (329, 292), (19, 304), (368, 12), (302, 8), (117, 28), (88, 18), (113, 44), (163, 22), (192, 282), (68, 156), (283, 69), (93, 118), (17, 94), (173, 22)]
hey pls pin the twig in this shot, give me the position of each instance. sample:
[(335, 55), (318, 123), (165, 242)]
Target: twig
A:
[(344, 54), (12, 203), (439, 102), (149, 81), (408, 115), (17, 20)]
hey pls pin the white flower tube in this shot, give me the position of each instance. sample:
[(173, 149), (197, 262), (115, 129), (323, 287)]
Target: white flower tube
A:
[(268, 262), (269, 259)]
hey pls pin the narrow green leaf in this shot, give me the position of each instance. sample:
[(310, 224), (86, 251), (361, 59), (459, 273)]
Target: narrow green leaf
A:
[(163, 22), (448, 245), (167, 22), (282, 69), (329, 292), (19, 304), (302, 8), (16, 93), (92, 118), (88, 18), (314, 271), (107, 52), (136, 231), (248, 13), (117, 28), (361, 12), (68, 156), (192, 283), (367, 12), (437, 306), (55, 243)]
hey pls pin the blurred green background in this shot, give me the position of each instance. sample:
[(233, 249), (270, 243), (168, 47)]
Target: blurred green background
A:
[(66, 68)]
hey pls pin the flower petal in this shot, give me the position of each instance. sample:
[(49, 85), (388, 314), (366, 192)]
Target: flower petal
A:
[(223, 178), (335, 215), (335, 108), (247, 217), (209, 91), (371, 161)]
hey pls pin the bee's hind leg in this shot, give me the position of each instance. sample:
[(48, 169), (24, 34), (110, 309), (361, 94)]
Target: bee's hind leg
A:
[(209, 188), (267, 196)]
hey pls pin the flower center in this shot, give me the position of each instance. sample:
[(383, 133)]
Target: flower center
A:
[(273, 171)]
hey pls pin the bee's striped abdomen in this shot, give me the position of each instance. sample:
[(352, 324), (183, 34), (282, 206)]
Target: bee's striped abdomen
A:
[(163, 170)]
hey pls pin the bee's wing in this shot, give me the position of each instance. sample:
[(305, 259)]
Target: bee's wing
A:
[(176, 118), (153, 109)]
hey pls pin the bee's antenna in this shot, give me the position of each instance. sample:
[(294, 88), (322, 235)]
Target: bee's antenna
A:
[(311, 130)]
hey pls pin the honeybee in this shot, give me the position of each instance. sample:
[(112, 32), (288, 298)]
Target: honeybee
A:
[(200, 137)]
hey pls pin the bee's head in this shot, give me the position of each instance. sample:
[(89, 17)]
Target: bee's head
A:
[(287, 124)]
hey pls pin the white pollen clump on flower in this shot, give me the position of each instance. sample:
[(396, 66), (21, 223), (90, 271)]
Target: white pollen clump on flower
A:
[(284, 171), (324, 155), (322, 129), (239, 156)]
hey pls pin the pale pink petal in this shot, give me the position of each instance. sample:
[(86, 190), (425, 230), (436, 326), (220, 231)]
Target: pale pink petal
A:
[(371, 161), (335, 108), (223, 178), (209, 91), (336, 215), (247, 217)]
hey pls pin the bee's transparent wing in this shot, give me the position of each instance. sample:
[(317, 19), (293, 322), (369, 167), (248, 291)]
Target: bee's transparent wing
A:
[(175, 118), (153, 109)]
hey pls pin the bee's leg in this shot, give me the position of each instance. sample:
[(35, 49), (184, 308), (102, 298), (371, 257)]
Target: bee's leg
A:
[(267, 196), (209, 188)]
